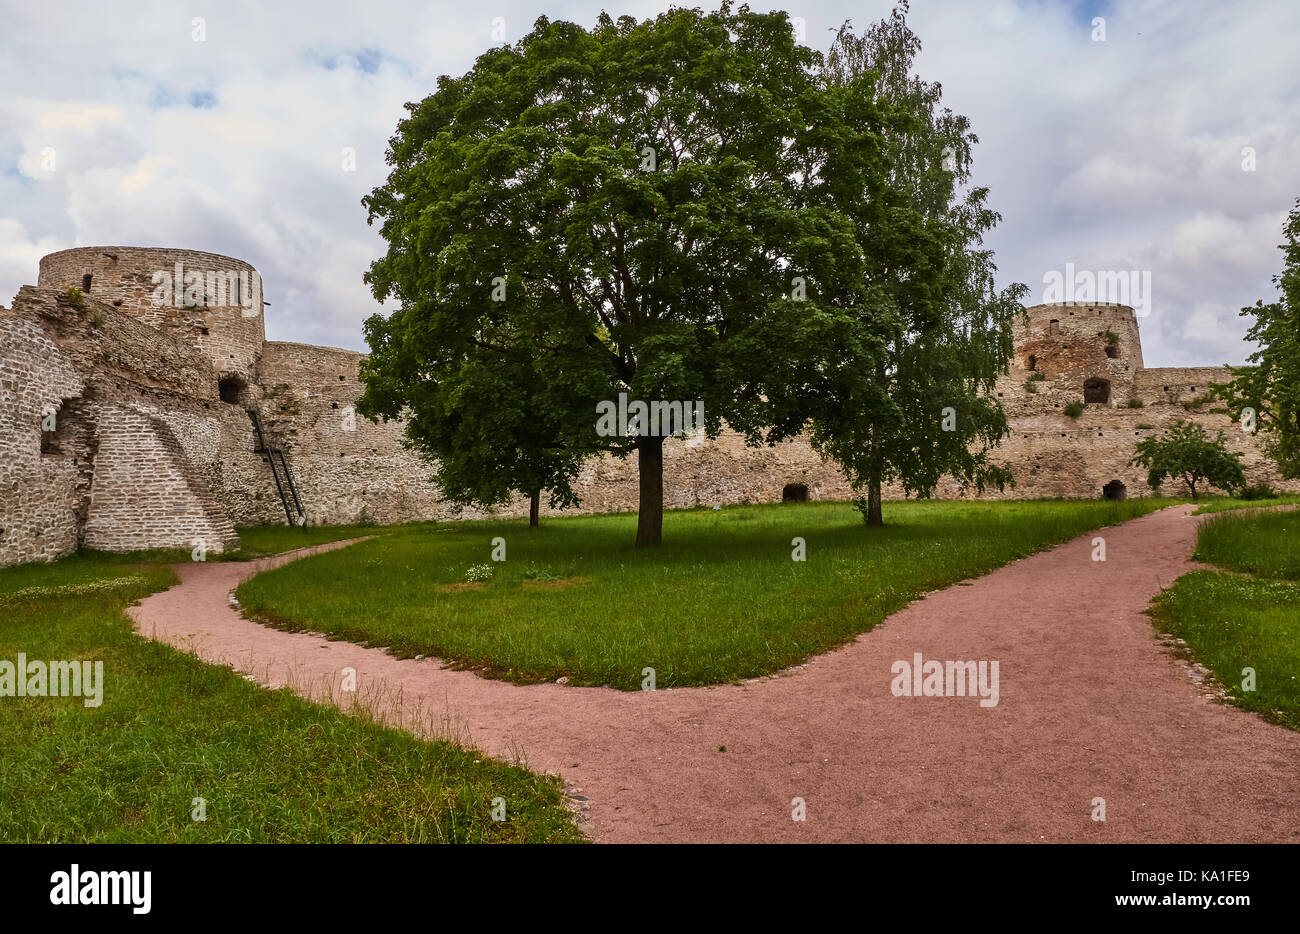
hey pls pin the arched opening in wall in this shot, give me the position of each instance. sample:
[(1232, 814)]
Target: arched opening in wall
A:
[(231, 389), (1033, 361), (794, 493), (85, 283), (1054, 326), (1114, 490), (1096, 389)]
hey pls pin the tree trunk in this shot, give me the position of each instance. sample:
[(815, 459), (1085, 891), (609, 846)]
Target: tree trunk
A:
[(650, 469), (534, 508), (875, 514)]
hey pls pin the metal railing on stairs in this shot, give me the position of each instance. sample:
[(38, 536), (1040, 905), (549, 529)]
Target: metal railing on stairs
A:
[(284, 485)]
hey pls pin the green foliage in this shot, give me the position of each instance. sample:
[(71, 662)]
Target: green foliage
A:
[(1031, 385), (1257, 491), (76, 298), (798, 251), (1037, 377), (912, 401), (1073, 409), (670, 281), (1135, 402), (1271, 384), (719, 601), (1186, 453), (1112, 339), (478, 573)]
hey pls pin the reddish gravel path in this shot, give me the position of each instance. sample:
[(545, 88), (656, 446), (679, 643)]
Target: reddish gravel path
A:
[(1090, 706)]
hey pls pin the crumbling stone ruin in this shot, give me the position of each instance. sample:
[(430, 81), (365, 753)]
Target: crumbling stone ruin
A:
[(141, 406)]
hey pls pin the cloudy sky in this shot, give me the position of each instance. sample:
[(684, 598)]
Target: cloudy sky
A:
[(1122, 154)]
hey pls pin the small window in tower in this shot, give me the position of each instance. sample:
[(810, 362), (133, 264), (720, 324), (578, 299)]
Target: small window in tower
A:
[(1033, 361), (231, 389), (1054, 326), (85, 283), (1096, 389)]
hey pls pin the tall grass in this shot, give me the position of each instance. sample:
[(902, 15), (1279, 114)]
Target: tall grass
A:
[(1266, 544)]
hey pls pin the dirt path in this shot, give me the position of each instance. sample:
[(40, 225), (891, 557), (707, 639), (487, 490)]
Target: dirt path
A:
[(1090, 705)]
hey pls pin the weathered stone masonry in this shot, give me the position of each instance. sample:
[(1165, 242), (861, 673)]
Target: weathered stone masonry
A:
[(151, 445)]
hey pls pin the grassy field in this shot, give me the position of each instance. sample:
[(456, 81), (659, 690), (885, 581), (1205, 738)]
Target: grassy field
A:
[(1224, 503), (269, 766), (1249, 618), (721, 600)]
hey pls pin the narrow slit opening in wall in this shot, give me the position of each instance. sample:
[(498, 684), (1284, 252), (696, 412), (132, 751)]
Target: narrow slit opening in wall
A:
[(85, 283), (55, 422)]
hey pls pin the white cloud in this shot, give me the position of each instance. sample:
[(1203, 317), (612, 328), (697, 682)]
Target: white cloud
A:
[(1112, 155)]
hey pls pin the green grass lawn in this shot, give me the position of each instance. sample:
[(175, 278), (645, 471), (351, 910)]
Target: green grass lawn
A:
[(270, 766), (719, 601), (1224, 503), (1246, 619)]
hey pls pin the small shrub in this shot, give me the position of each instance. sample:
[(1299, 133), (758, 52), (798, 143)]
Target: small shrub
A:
[(97, 319), (1031, 386), (1036, 377), (1112, 345), (535, 573), (1135, 403), (478, 573), (1145, 427), (76, 298), (1257, 491), (1193, 404), (1074, 409)]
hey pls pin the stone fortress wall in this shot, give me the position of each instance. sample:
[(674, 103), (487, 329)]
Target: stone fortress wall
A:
[(151, 443)]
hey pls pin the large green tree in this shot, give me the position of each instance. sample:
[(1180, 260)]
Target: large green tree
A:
[(1270, 386), (646, 207), (937, 330)]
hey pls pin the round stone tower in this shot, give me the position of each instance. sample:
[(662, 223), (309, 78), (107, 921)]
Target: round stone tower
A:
[(211, 301), (1091, 348)]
